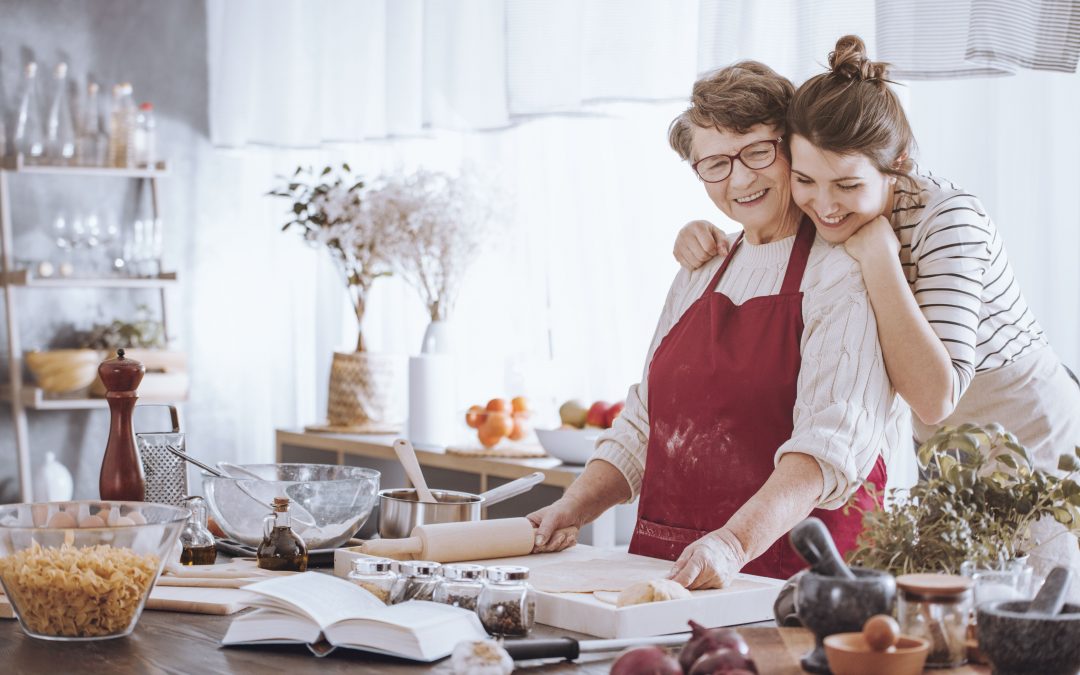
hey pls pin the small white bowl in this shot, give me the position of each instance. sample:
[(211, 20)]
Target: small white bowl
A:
[(573, 446)]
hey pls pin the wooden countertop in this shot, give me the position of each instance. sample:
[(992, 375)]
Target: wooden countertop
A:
[(168, 642)]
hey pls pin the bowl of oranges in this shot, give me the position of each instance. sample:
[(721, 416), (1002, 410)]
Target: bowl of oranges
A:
[(500, 419)]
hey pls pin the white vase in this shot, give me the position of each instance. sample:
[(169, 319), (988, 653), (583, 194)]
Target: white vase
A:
[(438, 339), (53, 482)]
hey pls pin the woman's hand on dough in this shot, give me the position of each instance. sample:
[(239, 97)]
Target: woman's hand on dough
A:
[(698, 242), (710, 562), (557, 526)]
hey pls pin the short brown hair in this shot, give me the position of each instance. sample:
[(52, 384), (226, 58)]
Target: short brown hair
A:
[(734, 98), (851, 109)]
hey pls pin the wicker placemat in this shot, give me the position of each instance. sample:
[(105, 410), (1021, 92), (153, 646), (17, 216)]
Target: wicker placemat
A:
[(369, 428), (505, 449)]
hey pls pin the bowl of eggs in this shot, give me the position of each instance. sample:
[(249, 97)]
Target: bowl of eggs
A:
[(82, 570)]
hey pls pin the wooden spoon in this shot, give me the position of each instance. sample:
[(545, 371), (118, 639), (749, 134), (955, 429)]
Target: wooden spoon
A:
[(406, 454)]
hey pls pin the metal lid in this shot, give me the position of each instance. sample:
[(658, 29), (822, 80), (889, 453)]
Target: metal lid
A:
[(419, 568), (507, 573), (372, 565), (463, 571), (933, 584)]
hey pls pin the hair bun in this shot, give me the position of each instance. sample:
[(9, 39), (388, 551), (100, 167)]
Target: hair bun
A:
[(850, 62)]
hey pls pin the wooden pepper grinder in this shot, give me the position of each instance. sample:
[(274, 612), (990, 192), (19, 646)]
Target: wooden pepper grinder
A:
[(121, 469)]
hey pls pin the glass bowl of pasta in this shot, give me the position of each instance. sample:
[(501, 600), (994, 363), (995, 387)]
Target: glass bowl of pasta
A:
[(83, 570)]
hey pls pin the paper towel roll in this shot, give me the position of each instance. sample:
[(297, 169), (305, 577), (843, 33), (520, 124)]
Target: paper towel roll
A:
[(432, 400)]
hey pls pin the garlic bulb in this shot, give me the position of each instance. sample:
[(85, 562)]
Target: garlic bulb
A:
[(481, 657)]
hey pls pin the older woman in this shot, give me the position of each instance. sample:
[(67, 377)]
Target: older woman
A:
[(765, 397), (959, 339)]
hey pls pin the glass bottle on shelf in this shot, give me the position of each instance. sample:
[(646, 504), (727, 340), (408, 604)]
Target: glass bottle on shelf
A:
[(281, 548), (195, 538), (59, 128), (29, 137), (121, 126), (93, 142), (145, 137)]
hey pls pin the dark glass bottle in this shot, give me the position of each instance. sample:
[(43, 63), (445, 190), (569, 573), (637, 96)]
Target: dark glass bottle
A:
[(196, 541), (281, 548)]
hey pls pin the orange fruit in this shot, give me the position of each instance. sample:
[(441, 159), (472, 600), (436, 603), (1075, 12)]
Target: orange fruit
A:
[(498, 405), (521, 428), (475, 416), (519, 404), (497, 424), (488, 440)]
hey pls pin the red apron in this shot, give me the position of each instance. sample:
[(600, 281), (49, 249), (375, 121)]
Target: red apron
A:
[(721, 400)]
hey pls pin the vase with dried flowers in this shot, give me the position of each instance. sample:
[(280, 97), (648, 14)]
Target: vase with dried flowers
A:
[(329, 210), (441, 221)]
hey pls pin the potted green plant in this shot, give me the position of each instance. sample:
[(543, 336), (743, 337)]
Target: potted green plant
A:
[(976, 502), (143, 339), (329, 210)]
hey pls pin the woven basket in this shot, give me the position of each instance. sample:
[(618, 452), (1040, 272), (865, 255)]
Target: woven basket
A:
[(366, 390)]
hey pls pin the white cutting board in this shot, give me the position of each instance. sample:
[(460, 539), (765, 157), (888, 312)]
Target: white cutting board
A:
[(750, 600)]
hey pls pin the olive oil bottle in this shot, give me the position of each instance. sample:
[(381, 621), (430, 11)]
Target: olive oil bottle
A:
[(281, 548)]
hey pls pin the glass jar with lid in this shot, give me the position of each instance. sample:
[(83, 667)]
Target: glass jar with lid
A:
[(507, 605), (376, 576), (936, 607), (460, 585), (417, 581)]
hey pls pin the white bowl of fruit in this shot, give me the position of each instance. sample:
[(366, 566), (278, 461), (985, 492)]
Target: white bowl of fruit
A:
[(575, 440)]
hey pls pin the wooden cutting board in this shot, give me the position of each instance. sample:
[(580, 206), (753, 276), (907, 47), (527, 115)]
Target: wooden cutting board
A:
[(180, 599)]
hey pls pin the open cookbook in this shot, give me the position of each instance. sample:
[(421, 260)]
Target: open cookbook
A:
[(325, 612)]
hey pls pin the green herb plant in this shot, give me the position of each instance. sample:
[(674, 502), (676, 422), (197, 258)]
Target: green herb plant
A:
[(142, 333), (977, 500)]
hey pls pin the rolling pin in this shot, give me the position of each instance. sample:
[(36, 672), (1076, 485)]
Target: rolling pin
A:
[(454, 542)]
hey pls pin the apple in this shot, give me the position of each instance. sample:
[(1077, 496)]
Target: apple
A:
[(573, 413), (611, 413), (597, 414)]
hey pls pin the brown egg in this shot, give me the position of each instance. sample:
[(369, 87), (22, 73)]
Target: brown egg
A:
[(92, 521), (137, 518), (62, 519), (881, 632)]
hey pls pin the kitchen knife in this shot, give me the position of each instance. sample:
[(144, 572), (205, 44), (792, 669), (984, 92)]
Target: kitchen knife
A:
[(569, 648)]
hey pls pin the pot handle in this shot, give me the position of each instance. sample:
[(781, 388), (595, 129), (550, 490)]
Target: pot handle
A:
[(512, 489)]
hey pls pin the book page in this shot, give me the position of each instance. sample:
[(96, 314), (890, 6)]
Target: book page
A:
[(323, 598), (270, 625), (420, 630)]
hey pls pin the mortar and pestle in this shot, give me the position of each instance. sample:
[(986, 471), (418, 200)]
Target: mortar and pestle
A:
[(1037, 636), (832, 597)]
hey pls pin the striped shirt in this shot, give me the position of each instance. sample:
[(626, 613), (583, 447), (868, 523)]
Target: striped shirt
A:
[(955, 262)]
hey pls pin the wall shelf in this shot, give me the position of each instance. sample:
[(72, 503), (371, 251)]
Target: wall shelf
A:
[(25, 279), (17, 164), (35, 398)]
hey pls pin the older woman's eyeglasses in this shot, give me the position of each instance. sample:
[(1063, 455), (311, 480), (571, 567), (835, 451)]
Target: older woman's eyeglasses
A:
[(757, 155)]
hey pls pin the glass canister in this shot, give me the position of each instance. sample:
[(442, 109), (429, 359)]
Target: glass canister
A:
[(507, 605), (417, 581), (936, 607), (460, 586), (376, 576), (198, 546)]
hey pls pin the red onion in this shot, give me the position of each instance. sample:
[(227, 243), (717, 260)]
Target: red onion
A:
[(646, 661), (722, 660), (709, 639)]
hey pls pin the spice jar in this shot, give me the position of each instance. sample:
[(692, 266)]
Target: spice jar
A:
[(197, 544), (417, 582), (376, 576), (460, 586), (936, 607), (507, 605)]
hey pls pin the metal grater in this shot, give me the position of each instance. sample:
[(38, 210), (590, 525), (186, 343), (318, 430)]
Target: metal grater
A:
[(166, 474)]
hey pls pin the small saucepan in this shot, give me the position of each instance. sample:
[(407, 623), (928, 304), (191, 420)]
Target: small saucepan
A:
[(400, 509)]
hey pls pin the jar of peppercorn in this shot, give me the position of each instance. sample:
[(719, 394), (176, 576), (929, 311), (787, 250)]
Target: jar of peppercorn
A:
[(417, 581), (507, 605), (460, 585)]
